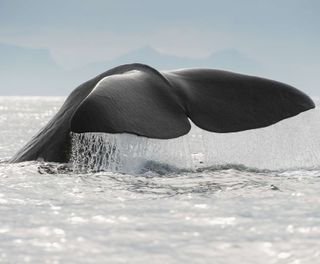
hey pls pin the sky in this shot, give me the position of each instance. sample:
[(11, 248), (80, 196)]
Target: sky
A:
[(282, 36)]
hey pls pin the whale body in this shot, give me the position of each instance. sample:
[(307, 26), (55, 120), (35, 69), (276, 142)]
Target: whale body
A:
[(137, 99)]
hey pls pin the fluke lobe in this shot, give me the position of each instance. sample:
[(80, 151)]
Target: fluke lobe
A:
[(138, 99)]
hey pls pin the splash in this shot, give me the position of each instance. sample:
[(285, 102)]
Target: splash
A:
[(292, 143), (125, 152)]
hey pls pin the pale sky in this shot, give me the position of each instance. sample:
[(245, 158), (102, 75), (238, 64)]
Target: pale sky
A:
[(281, 35)]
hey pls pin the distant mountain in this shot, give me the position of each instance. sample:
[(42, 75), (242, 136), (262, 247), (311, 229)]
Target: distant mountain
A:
[(234, 60), (230, 59), (25, 71), (15, 56)]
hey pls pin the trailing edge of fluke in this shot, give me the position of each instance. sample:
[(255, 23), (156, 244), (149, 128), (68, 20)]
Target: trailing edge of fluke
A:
[(137, 99)]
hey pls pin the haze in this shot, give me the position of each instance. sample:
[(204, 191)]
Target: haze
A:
[(49, 47)]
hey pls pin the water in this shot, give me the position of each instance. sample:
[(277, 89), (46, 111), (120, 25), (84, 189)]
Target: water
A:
[(176, 201)]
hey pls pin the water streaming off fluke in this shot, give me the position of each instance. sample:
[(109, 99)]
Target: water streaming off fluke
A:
[(292, 143), (126, 152)]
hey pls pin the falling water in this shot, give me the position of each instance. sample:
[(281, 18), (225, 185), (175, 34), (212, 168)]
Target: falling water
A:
[(292, 143), (126, 152), (170, 211)]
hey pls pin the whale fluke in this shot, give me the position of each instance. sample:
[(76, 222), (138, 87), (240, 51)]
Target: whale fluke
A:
[(140, 102), (138, 99), (222, 101)]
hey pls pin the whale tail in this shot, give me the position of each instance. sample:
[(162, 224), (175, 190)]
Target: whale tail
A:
[(138, 99), (222, 101), (157, 105)]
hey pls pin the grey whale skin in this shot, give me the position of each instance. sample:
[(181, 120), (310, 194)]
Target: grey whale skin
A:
[(137, 99)]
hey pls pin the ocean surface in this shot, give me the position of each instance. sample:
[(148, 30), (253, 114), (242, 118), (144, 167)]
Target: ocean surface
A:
[(249, 197)]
